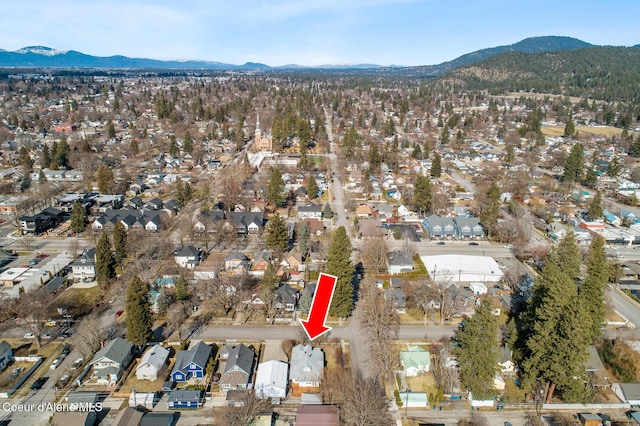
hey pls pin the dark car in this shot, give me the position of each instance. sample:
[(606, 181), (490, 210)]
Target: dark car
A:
[(473, 243), (38, 383), (440, 243), (64, 334), (66, 350)]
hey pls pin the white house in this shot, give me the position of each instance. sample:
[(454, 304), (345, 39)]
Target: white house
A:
[(478, 288), (153, 364), (188, 257), (506, 364), (84, 268), (271, 380), (415, 360)]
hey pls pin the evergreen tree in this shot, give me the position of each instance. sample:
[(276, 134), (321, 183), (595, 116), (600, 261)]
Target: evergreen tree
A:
[(445, 136), (595, 208), (339, 264), (275, 188), (374, 156), (490, 209), (422, 194), (105, 179), (590, 178), (555, 334), (270, 279), (509, 155), (182, 291), (61, 154), (183, 193), (277, 238), (78, 218), (303, 239), (119, 243), (570, 128), (327, 213), (111, 130), (105, 262), (139, 319), (593, 288), (574, 164), (173, 146), (312, 187), (45, 159), (477, 351), (614, 167), (436, 165), (634, 150), (187, 144), (134, 148), (305, 301)]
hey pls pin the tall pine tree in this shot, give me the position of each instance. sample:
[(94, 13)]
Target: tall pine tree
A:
[(595, 208), (312, 188), (339, 264), (555, 334), (105, 262), (477, 351), (119, 243), (275, 188), (78, 218), (593, 288), (277, 238), (422, 194), (490, 209), (436, 165), (139, 319)]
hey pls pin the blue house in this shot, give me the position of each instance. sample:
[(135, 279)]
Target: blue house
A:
[(191, 363), (184, 398)]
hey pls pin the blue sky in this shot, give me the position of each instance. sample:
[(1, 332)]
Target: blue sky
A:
[(308, 32)]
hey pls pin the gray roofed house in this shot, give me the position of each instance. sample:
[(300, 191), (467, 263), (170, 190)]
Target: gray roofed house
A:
[(188, 257), (238, 370), (247, 222), (191, 363), (153, 363), (286, 297), (440, 227), (627, 392), (593, 363), (128, 417), (111, 360), (307, 366), (396, 296), (310, 211), (184, 398), (84, 267), (6, 354), (468, 227), (400, 261), (158, 419)]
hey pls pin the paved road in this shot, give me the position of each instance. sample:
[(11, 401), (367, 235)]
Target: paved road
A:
[(626, 307), (336, 184), (406, 332)]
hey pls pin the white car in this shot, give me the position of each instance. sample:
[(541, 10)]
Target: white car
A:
[(55, 364), (29, 336)]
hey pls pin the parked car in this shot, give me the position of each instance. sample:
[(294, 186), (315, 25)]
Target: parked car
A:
[(66, 350), (119, 314), (56, 362), (38, 383), (77, 364), (440, 243), (29, 336), (65, 379), (473, 243), (51, 323), (47, 336)]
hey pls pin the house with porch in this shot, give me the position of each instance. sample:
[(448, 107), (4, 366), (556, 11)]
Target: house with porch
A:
[(191, 363), (110, 361)]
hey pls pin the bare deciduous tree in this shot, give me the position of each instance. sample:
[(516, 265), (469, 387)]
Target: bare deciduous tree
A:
[(33, 308), (246, 410), (374, 255), (177, 316)]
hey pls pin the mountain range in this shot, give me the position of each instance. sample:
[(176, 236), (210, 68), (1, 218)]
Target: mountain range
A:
[(46, 57)]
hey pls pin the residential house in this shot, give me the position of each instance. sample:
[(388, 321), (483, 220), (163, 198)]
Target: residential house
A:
[(6, 355), (182, 399), (188, 257), (286, 298), (41, 222), (307, 369), (506, 364), (364, 211), (153, 364), (238, 370), (415, 360), (74, 418), (468, 227), (399, 262), (440, 227), (128, 416), (396, 296), (153, 204), (236, 263), (159, 419), (110, 361), (191, 363), (84, 267), (261, 260), (206, 220), (628, 393), (316, 227), (292, 260), (310, 211), (247, 222), (271, 380)]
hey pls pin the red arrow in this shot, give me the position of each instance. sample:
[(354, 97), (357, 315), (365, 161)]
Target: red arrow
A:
[(314, 325)]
